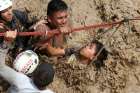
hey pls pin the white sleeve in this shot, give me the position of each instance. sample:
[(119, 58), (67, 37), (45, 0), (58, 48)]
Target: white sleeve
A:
[(47, 91), (8, 73)]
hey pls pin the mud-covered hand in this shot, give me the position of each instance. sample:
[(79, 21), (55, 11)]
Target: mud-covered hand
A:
[(69, 51), (65, 29), (10, 35)]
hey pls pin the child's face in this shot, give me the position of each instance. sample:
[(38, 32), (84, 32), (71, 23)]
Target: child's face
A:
[(89, 51), (7, 14), (59, 19)]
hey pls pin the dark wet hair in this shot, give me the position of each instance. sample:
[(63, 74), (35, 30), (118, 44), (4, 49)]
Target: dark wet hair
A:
[(56, 5), (43, 75), (1, 17), (101, 53)]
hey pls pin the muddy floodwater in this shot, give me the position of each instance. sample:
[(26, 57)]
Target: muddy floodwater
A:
[(121, 71)]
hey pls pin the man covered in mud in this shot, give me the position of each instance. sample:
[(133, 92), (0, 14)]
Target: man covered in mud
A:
[(57, 18)]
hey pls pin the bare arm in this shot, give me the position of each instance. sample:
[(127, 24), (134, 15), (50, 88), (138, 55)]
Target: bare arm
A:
[(52, 51), (55, 51)]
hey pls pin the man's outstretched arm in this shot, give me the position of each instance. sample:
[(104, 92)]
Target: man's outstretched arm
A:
[(8, 73)]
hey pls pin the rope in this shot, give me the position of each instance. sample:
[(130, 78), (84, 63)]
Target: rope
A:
[(102, 25), (127, 21), (115, 30)]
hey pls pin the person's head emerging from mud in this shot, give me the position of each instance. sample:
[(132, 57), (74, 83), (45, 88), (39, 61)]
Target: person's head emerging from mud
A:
[(6, 10), (93, 50), (57, 13)]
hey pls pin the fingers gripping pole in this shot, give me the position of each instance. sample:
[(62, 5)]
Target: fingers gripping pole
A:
[(102, 25)]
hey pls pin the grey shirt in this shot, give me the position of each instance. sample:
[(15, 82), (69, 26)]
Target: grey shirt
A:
[(20, 83)]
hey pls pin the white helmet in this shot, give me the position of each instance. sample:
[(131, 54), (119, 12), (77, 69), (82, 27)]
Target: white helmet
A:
[(4, 4), (26, 62)]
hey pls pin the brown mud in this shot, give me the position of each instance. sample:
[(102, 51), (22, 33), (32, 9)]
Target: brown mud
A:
[(121, 73)]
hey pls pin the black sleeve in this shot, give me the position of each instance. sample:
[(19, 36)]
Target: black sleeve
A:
[(23, 18), (22, 41)]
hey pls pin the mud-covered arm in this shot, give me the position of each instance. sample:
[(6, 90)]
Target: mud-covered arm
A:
[(46, 48), (49, 50)]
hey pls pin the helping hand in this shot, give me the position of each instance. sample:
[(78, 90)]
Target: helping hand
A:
[(65, 29), (10, 35)]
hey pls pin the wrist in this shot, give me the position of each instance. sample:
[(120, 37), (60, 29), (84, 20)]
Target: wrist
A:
[(8, 40)]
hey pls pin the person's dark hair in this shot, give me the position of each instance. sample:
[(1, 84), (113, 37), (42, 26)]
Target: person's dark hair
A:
[(43, 75), (56, 5), (1, 16), (103, 53)]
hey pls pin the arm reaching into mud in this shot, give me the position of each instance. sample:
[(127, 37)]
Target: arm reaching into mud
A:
[(53, 51), (48, 49)]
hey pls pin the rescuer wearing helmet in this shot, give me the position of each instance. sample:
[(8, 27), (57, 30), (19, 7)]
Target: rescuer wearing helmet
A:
[(27, 62), (11, 22)]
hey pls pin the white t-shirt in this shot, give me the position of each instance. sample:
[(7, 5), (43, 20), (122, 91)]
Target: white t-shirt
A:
[(20, 83)]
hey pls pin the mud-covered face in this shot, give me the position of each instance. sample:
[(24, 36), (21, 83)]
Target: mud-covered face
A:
[(59, 18), (89, 51), (7, 14)]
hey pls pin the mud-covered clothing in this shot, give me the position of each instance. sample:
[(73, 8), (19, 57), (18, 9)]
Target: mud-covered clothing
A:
[(20, 83), (74, 60), (20, 23)]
